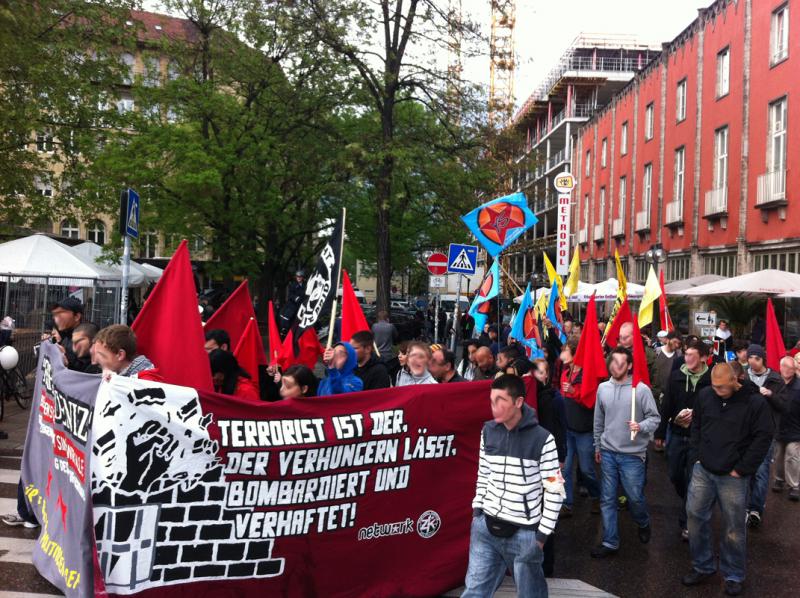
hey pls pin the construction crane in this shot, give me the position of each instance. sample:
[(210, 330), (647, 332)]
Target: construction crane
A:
[(502, 62)]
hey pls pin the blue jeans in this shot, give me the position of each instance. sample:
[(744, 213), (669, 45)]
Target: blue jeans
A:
[(580, 445), (705, 489), (627, 470), (759, 483), (489, 557)]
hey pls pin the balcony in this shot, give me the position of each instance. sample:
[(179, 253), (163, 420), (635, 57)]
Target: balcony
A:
[(771, 190), (583, 236), (674, 213), (716, 203), (542, 204), (643, 221), (618, 227), (556, 159), (599, 232)]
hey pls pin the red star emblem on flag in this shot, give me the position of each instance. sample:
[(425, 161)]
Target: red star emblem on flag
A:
[(497, 220)]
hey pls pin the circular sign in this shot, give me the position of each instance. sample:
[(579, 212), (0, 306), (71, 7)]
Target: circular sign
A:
[(564, 182), (437, 264)]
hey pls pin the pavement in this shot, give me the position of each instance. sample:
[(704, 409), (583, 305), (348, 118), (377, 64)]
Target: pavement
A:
[(651, 570)]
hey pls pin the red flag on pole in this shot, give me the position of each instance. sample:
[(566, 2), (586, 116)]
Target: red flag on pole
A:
[(233, 317), (640, 371), (589, 357), (623, 315), (309, 349), (274, 337), (168, 328), (663, 308), (775, 348), (246, 352), (353, 319)]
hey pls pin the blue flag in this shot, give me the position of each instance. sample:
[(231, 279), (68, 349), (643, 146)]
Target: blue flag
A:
[(554, 312), (524, 329), (500, 222), (489, 289)]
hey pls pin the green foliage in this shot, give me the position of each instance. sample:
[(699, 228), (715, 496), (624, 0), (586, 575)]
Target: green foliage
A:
[(739, 310)]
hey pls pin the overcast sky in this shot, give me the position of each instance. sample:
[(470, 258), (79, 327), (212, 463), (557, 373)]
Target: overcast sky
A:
[(544, 29)]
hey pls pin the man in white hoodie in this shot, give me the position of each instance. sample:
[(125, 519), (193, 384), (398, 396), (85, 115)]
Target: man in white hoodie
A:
[(416, 369)]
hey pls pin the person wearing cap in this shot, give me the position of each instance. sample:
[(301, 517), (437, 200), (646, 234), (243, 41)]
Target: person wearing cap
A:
[(771, 387), (730, 434), (67, 315)]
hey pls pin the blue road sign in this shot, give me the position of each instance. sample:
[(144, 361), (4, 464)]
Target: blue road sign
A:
[(462, 259), (132, 215)]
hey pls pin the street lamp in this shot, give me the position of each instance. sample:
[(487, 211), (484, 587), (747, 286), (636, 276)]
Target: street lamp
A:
[(655, 256)]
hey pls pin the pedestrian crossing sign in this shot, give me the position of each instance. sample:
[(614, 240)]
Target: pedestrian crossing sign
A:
[(129, 214), (462, 259)]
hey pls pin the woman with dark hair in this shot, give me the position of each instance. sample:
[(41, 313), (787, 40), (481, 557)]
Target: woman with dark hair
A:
[(298, 382), (229, 378)]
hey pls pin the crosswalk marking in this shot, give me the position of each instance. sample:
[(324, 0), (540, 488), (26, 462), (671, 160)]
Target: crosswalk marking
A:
[(16, 550), (9, 476)]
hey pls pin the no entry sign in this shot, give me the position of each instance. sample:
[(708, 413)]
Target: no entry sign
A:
[(437, 264)]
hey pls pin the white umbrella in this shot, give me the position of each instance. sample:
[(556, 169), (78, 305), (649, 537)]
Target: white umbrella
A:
[(763, 282), (607, 290), (153, 273), (677, 287), (94, 252), (580, 296)]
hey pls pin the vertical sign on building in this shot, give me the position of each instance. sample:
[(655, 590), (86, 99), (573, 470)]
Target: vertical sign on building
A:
[(564, 183)]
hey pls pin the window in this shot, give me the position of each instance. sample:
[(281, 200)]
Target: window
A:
[(786, 261), (641, 270), (604, 152), (680, 101), (126, 63), (721, 265), (124, 105), (600, 271), (779, 36), (649, 118), (723, 72), (647, 189), (721, 159), (586, 212), (173, 70), (588, 168), (676, 268), (776, 140), (679, 170), (584, 271), (602, 205), (43, 187), (623, 141), (148, 243), (44, 142), (96, 232), (70, 229), (152, 72), (623, 191), (198, 244), (42, 225)]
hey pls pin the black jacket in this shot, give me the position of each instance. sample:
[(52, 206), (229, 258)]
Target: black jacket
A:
[(84, 364), (679, 395), (579, 418), (789, 430), (373, 374), (779, 400), (552, 417), (733, 433)]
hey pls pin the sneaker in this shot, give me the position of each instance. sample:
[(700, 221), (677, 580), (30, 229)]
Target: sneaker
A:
[(622, 503), (685, 535), (14, 520), (794, 494), (602, 551), (733, 588), (595, 506), (582, 491), (753, 519), (644, 534), (778, 485), (695, 578)]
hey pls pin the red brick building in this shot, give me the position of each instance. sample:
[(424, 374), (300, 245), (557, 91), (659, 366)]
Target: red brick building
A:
[(694, 154)]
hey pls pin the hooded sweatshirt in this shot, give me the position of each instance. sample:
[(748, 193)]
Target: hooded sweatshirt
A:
[(344, 380), (406, 378), (519, 480), (682, 389), (612, 413)]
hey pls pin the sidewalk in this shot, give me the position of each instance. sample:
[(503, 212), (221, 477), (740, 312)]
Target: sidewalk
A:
[(15, 424)]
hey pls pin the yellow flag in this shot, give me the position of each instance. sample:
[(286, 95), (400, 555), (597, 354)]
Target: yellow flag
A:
[(574, 274), (622, 291), (652, 291), (541, 305), (553, 275)]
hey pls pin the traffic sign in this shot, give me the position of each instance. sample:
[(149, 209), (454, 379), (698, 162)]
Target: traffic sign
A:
[(129, 214), (462, 259), (438, 282), (437, 264), (705, 318), (564, 182)]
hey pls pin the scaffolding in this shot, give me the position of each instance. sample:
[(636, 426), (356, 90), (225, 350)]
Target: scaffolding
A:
[(502, 62)]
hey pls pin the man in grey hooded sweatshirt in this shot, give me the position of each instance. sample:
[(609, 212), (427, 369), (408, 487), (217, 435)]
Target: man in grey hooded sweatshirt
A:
[(622, 459)]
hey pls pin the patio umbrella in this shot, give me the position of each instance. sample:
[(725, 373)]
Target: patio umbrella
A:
[(677, 287), (763, 282)]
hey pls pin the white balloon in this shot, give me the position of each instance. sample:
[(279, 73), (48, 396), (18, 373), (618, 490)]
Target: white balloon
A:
[(9, 358)]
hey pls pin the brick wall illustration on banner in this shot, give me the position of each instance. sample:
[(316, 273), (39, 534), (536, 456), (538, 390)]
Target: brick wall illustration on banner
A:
[(159, 494)]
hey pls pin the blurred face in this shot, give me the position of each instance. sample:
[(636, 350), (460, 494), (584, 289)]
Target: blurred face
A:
[(724, 391), (471, 350), (484, 359), (626, 336), (438, 367), (619, 366), (756, 363), (363, 352), (797, 364), (339, 357), (741, 356), (505, 409), (692, 357), (418, 361), (787, 368), (290, 389), (566, 355), (107, 359), (540, 373), (81, 344), (211, 345), (503, 361), (674, 344), (65, 319), (723, 325), (568, 327)]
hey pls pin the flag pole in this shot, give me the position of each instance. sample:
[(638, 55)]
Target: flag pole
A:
[(338, 282), (511, 279), (633, 408)]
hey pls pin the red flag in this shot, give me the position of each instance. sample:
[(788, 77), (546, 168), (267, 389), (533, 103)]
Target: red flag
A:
[(308, 352), (233, 317), (274, 337), (663, 308), (589, 357), (246, 352), (168, 328), (640, 371), (353, 319), (623, 315), (775, 348)]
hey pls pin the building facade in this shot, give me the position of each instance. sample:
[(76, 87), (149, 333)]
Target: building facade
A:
[(694, 154)]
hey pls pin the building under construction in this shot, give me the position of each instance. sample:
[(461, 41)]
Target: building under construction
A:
[(588, 75)]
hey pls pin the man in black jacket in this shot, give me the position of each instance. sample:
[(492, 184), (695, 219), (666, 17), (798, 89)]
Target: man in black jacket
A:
[(682, 388), (731, 434), (373, 373)]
